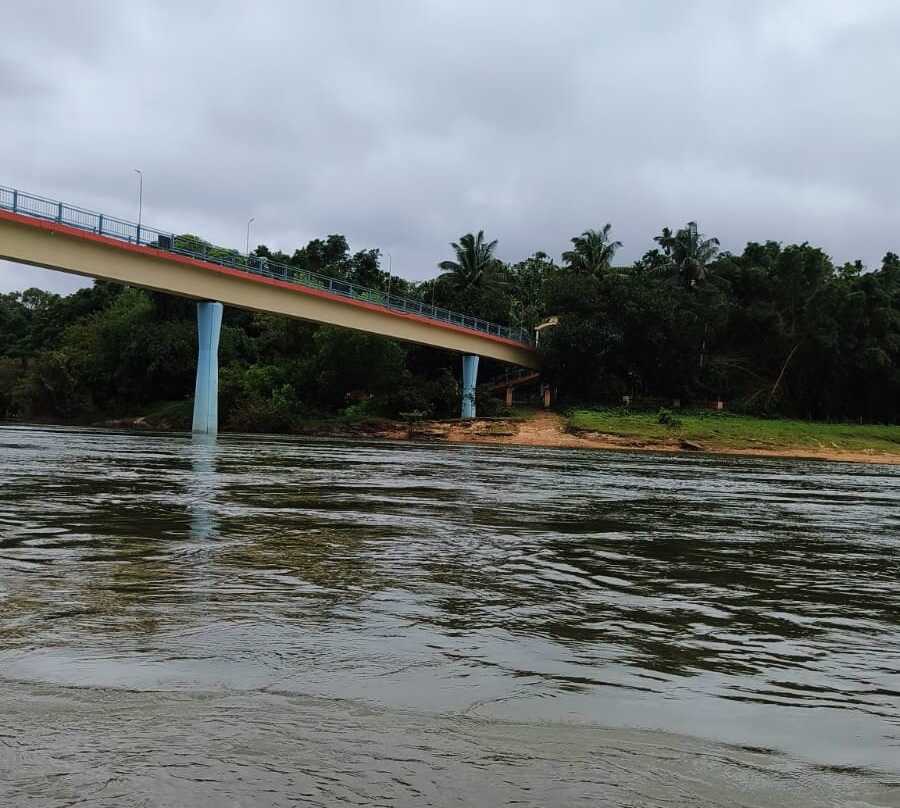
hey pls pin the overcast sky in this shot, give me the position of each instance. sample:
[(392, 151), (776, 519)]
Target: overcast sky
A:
[(405, 123)]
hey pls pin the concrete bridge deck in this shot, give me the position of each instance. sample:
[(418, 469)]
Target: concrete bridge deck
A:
[(50, 234)]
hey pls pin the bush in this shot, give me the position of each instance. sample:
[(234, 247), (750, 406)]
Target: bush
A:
[(437, 397), (669, 419)]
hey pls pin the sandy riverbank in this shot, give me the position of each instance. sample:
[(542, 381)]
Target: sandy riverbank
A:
[(549, 430)]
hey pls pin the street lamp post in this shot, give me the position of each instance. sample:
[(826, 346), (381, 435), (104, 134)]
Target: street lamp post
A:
[(252, 219), (140, 201), (545, 387), (390, 271), (538, 328), (434, 284)]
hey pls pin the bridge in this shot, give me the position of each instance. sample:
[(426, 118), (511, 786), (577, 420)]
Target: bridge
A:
[(51, 234)]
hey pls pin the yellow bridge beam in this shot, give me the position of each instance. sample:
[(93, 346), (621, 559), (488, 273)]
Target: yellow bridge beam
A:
[(54, 246)]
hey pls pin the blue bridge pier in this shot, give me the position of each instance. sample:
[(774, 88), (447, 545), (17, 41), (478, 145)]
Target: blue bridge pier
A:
[(470, 376), (206, 394)]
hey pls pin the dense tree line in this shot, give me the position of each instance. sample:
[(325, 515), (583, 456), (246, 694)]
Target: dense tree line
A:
[(775, 329)]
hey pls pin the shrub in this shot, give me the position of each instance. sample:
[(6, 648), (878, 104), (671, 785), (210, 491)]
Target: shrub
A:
[(669, 419)]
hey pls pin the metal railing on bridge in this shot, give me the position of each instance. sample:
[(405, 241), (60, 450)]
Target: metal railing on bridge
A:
[(54, 211)]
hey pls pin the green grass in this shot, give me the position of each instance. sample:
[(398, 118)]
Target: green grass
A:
[(726, 430)]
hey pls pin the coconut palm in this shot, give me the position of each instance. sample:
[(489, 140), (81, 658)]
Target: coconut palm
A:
[(664, 239), (689, 254), (592, 252), (474, 261)]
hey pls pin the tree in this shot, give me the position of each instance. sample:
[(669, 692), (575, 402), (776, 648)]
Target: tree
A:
[(689, 253), (349, 361), (530, 282), (592, 252), (474, 262), (890, 264), (775, 328)]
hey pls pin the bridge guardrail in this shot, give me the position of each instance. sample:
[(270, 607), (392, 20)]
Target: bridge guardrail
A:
[(52, 210)]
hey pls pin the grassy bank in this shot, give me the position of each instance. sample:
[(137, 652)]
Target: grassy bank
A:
[(597, 427), (729, 431)]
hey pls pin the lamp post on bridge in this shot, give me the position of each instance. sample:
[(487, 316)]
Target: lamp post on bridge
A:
[(538, 328), (545, 388), (434, 284), (252, 219), (390, 271), (140, 201)]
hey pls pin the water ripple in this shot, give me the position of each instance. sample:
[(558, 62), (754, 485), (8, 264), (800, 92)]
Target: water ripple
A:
[(550, 627)]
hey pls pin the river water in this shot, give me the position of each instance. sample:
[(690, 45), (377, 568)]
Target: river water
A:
[(265, 621)]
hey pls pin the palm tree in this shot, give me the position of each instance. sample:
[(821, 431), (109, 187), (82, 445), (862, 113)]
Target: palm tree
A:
[(474, 261), (664, 239), (592, 252), (689, 253)]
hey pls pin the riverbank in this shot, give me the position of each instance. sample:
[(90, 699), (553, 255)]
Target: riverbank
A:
[(615, 430), (718, 435)]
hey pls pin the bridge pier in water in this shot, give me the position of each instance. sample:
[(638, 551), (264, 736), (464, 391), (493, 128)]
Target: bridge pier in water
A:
[(470, 375), (206, 393)]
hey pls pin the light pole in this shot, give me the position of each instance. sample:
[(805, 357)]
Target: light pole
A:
[(140, 201), (390, 271), (252, 219), (545, 386), (434, 284), (538, 328)]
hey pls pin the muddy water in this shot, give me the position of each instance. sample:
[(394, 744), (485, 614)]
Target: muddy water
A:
[(276, 622)]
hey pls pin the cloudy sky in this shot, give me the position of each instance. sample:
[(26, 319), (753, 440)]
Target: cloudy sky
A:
[(405, 123)]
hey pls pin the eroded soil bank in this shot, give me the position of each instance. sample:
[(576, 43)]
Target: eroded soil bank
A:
[(549, 430)]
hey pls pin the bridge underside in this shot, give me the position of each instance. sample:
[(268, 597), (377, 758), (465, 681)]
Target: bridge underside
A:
[(54, 246)]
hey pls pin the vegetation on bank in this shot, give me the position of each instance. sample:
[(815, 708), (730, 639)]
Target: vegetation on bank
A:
[(774, 329), (721, 430)]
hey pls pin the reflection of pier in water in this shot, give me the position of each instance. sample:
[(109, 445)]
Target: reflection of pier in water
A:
[(202, 487)]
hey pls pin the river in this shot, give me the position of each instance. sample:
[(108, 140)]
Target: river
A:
[(263, 621)]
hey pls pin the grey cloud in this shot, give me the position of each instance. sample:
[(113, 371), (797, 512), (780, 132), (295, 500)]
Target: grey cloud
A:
[(20, 85), (403, 124)]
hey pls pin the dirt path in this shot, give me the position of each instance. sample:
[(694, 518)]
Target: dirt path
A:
[(549, 429)]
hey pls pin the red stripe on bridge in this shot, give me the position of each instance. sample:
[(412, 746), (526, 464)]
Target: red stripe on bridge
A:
[(150, 252)]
